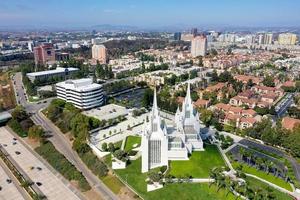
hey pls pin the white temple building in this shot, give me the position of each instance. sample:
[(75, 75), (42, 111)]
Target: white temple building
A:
[(161, 143)]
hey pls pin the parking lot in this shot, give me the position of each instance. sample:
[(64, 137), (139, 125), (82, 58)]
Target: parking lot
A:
[(50, 185)]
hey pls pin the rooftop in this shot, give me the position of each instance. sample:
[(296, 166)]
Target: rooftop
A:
[(107, 112), (79, 85), (54, 71)]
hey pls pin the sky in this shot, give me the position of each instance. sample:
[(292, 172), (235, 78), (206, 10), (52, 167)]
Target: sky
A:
[(149, 13)]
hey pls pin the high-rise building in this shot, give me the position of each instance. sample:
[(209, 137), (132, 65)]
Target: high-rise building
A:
[(194, 31), (261, 39), (187, 37), (99, 53), (268, 38), (199, 46), (287, 39), (177, 36), (44, 53), (265, 38), (250, 39), (98, 40), (227, 37), (30, 46)]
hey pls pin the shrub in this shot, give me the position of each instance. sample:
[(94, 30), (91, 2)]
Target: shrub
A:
[(62, 165), (163, 169), (16, 127)]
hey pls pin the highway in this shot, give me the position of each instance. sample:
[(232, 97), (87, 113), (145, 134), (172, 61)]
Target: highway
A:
[(60, 142)]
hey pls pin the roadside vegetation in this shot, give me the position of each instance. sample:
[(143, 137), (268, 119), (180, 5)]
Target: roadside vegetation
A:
[(20, 122), (62, 165), (69, 119)]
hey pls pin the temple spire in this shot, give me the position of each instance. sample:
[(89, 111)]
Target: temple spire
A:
[(188, 93), (155, 108)]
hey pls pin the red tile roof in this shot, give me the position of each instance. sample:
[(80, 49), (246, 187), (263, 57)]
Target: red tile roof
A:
[(289, 123)]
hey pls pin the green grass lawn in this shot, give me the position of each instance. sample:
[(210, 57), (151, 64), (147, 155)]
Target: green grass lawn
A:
[(113, 183), (133, 176), (131, 141), (257, 183), (261, 174), (199, 164)]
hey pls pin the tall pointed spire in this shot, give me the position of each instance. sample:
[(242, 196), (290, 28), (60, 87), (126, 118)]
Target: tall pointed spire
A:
[(188, 93), (154, 107)]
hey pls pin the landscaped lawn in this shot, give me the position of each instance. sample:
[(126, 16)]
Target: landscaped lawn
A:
[(261, 174), (199, 164), (257, 183), (133, 176), (131, 141), (113, 183)]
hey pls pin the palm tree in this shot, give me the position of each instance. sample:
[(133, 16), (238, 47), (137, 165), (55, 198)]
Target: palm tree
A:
[(242, 152), (251, 156), (269, 165), (259, 162)]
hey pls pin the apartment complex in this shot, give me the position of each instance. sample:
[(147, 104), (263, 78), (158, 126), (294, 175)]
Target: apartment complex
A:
[(99, 53), (44, 53), (82, 93), (287, 39)]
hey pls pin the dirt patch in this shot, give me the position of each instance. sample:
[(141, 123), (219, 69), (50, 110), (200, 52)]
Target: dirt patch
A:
[(126, 194), (92, 195), (7, 95), (33, 143)]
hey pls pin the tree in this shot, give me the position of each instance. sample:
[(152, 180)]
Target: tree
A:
[(19, 113), (268, 81), (36, 132), (81, 147), (147, 98), (206, 116), (104, 146), (111, 147), (120, 155)]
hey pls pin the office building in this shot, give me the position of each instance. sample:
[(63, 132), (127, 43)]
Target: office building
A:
[(82, 93), (177, 36), (199, 46), (30, 45), (287, 39), (187, 37), (161, 143), (44, 53), (58, 73), (194, 31), (99, 53), (98, 40), (61, 56)]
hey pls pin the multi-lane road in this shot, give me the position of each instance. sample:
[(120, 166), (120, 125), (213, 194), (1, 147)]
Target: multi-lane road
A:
[(60, 142)]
